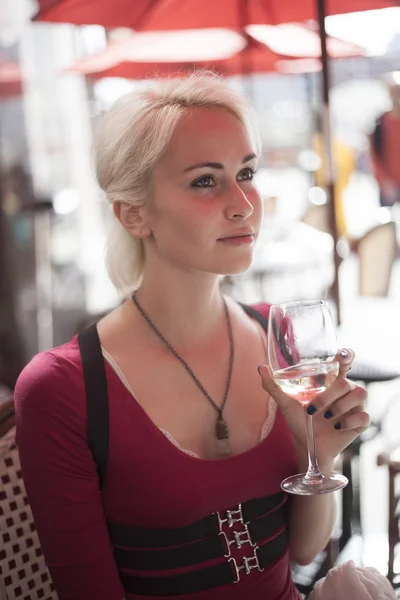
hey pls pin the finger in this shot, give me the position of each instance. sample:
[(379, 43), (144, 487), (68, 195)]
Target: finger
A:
[(337, 423), (345, 358), (340, 388), (357, 421), (353, 399), (272, 388)]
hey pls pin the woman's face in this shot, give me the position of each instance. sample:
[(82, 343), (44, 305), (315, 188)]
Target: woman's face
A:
[(205, 212)]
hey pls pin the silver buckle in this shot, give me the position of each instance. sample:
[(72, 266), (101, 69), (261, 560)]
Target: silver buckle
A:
[(237, 573), (240, 540), (240, 537), (231, 517), (227, 542), (231, 514), (249, 563), (220, 521)]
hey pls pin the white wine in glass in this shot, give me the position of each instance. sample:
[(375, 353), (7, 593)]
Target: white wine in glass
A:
[(304, 382), (302, 345)]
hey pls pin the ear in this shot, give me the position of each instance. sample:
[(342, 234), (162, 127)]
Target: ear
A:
[(131, 219)]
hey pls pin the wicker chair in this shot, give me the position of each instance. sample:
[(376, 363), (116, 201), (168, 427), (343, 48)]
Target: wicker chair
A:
[(23, 571)]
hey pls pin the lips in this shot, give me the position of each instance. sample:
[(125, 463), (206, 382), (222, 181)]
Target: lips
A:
[(239, 234)]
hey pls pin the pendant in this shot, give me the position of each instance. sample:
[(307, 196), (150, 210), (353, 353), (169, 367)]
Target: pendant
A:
[(222, 447), (221, 429)]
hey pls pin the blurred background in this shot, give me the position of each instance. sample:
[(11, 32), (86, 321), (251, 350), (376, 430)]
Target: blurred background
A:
[(329, 177)]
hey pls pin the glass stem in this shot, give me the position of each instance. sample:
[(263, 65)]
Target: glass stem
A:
[(313, 471)]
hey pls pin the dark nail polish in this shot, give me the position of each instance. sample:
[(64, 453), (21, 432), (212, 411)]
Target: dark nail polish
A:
[(311, 409), (344, 354), (328, 414), (258, 369), (337, 426)]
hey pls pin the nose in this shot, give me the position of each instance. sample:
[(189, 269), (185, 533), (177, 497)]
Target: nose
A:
[(238, 205)]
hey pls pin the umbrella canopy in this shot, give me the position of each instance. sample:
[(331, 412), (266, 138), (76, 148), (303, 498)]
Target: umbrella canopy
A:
[(192, 14), (210, 44), (139, 57), (301, 41), (10, 79), (255, 58)]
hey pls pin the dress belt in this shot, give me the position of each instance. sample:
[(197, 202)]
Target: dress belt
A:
[(225, 573), (138, 537), (208, 539)]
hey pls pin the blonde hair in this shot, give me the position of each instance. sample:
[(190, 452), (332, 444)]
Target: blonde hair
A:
[(131, 139)]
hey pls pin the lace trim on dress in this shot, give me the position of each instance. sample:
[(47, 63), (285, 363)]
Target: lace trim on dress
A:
[(269, 423), (117, 370), (175, 443)]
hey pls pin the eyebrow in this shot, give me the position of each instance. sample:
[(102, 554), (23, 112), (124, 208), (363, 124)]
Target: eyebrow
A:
[(213, 165)]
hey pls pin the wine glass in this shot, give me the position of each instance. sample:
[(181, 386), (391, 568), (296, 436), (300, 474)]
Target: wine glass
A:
[(302, 345)]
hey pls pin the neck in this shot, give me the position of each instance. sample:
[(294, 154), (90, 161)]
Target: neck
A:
[(188, 309)]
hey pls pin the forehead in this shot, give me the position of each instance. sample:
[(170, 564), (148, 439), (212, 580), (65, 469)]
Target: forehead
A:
[(205, 134)]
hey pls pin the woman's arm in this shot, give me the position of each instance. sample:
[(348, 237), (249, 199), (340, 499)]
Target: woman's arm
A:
[(311, 522), (61, 481)]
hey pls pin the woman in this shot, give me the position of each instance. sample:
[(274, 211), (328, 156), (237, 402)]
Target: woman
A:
[(193, 447), (385, 146)]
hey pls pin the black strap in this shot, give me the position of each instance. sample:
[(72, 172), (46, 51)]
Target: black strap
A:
[(257, 316), (170, 558), (138, 537), (94, 374), (203, 579), (201, 550)]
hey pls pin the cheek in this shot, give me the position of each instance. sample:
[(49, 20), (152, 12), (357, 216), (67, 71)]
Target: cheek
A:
[(180, 218), (197, 221)]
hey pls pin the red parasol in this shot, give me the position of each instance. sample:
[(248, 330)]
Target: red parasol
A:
[(144, 55), (193, 14)]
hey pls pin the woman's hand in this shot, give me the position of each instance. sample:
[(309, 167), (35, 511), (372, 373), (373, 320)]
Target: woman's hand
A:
[(338, 414)]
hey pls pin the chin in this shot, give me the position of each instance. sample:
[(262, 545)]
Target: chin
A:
[(236, 267)]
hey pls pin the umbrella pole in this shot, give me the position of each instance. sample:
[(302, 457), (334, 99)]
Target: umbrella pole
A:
[(309, 94), (326, 128)]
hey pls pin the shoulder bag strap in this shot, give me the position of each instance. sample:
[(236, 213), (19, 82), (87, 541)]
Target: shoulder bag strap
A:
[(96, 398)]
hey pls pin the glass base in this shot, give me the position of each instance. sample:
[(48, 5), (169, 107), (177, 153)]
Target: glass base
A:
[(299, 484)]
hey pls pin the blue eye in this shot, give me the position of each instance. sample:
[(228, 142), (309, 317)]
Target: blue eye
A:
[(247, 174), (203, 182)]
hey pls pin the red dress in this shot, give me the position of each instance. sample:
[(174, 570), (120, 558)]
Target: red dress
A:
[(150, 483)]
